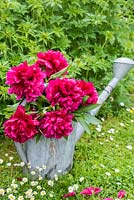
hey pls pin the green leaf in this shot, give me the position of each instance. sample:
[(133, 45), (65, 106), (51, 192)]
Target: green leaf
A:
[(66, 138), (41, 102), (86, 108), (84, 124), (37, 137), (85, 98), (90, 119), (58, 74), (11, 108), (43, 98), (7, 114)]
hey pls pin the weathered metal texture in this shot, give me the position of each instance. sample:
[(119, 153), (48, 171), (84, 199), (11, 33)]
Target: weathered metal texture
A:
[(58, 154)]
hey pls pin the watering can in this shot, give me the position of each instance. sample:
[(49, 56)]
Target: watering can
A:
[(54, 156)]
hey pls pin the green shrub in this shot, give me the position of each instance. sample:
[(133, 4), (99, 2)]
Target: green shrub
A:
[(90, 30)]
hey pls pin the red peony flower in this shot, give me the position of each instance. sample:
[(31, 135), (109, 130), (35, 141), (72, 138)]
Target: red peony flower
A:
[(56, 124), (88, 90), (51, 61), (108, 199), (20, 127), (65, 93), (25, 81), (70, 194), (121, 194), (90, 191)]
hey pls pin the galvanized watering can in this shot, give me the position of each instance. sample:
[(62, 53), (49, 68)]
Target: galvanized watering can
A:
[(50, 156)]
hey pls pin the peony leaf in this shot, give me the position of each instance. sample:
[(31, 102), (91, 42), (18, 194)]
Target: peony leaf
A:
[(43, 99), (83, 123), (90, 119), (66, 137), (37, 137), (58, 74), (41, 102), (86, 108), (85, 98)]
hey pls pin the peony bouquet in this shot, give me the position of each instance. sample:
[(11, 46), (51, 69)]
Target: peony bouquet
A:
[(48, 101)]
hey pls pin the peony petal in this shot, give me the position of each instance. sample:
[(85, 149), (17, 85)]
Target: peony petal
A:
[(86, 191), (70, 194), (121, 194), (108, 199)]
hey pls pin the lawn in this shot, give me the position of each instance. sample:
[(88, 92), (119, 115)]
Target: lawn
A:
[(103, 159)]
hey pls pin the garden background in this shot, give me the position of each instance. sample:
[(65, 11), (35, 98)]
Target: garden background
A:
[(91, 34)]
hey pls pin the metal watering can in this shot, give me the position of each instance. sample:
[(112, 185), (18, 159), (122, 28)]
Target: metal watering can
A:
[(53, 156)]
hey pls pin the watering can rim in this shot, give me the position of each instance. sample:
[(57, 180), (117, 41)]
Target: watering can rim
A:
[(124, 60)]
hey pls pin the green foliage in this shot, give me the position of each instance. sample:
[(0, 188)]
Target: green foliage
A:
[(89, 33), (90, 30)]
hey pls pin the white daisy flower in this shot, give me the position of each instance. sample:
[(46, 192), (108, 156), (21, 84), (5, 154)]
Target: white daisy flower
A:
[(50, 183), (122, 104), (81, 179), (1, 161), (11, 158), (33, 172), (129, 147), (14, 185), (122, 124), (118, 183), (32, 198), (111, 138), (20, 198), (101, 143), (108, 174), (22, 164), (75, 186), (42, 193), (117, 170), (11, 197), (8, 164), (38, 187), (2, 192), (111, 130), (51, 195), (34, 183), (70, 189), (25, 179), (8, 190), (102, 165), (40, 178), (35, 193), (56, 177)]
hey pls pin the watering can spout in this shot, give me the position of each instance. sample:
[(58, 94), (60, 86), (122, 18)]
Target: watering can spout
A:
[(121, 67)]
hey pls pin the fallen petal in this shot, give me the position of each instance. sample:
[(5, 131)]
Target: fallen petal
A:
[(108, 199), (70, 194), (121, 194)]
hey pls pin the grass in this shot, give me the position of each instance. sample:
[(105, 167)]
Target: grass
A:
[(105, 159)]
